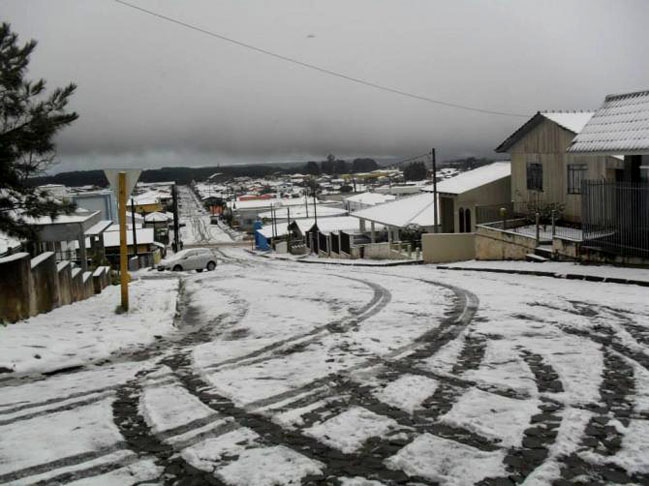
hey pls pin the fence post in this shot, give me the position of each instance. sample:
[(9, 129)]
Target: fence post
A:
[(503, 215), (537, 217), (554, 223), (409, 251)]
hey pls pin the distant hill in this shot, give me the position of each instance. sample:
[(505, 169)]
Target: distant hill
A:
[(181, 175)]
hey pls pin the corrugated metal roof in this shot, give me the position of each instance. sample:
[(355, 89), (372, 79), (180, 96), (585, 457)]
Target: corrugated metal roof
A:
[(402, 212), (620, 126), (472, 179)]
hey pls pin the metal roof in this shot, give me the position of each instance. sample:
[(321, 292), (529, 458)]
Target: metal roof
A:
[(473, 179), (620, 126)]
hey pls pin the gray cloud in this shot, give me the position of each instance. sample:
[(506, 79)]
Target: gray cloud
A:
[(152, 93)]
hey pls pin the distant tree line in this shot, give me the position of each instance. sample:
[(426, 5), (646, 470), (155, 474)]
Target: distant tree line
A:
[(334, 166), (185, 175)]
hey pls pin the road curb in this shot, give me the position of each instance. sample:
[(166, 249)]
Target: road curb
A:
[(540, 273), (389, 264)]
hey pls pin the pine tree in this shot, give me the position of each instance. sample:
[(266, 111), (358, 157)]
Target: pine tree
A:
[(29, 120)]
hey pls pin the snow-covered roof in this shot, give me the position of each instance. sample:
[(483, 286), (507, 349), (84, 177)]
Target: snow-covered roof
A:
[(8, 243), (402, 212), (472, 179), (111, 238), (98, 228), (573, 121), (156, 217), (301, 212), (370, 198), (619, 126), (570, 120), (282, 228), (78, 216), (345, 223)]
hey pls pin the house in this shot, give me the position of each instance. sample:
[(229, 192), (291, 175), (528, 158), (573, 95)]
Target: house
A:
[(616, 211), (148, 251), (160, 224), (366, 200), (66, 232), (149, 202), (542, 172), (489, 185), (103, 201)]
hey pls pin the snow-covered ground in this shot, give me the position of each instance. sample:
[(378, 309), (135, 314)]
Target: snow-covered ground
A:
[(560, 268), (92, 329), (286, 373)]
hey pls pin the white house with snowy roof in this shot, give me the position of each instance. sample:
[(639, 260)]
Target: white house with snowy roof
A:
[(543, 173), (460, 195)]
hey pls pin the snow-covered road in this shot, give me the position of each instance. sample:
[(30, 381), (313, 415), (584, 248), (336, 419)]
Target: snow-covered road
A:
[(197, 228), (286, 373)]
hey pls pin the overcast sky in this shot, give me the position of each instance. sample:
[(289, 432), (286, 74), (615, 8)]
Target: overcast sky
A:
[(152, 93)]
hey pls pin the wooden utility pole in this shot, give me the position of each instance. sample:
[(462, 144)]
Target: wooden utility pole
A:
[(123, 250), (435, 208)]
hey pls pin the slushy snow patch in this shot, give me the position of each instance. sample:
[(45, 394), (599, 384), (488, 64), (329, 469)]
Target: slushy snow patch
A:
[(269, 466), (446, 461), (349, 430), (407, 392), (493, 416)]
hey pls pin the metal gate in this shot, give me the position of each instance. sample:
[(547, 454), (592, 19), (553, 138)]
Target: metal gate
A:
[(615, 217)]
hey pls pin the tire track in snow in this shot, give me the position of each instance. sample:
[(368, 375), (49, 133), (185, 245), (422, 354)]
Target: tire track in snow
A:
[(380, 299)]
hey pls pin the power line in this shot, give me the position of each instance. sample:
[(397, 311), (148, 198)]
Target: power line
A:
[(318, 68)]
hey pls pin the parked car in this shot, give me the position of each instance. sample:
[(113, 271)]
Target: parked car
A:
[(198, 259)]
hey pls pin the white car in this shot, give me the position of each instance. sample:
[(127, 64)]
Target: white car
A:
[(198, 259)]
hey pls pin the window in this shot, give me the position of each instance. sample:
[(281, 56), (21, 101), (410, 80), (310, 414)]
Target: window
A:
[(534, 176), (576, 174)]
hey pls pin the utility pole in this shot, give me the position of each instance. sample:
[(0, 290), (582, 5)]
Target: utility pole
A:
[(288, 228), (434, 190), (123, 250), (133, 226), (306, 203), (174, 195)]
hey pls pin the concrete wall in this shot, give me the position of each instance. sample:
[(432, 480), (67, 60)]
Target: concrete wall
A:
[(448, 247), (88, 286), (64, 270), (15, 281), (29, 287), (44, 295), (77, 284), (98, 279), (495, 244)]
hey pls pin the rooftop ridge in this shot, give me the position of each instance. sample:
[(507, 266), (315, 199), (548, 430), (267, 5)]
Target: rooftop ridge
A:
[(618, 96)]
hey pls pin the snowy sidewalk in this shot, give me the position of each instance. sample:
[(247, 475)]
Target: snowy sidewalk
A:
[(334, 261), (90, 330), (593, 273)]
